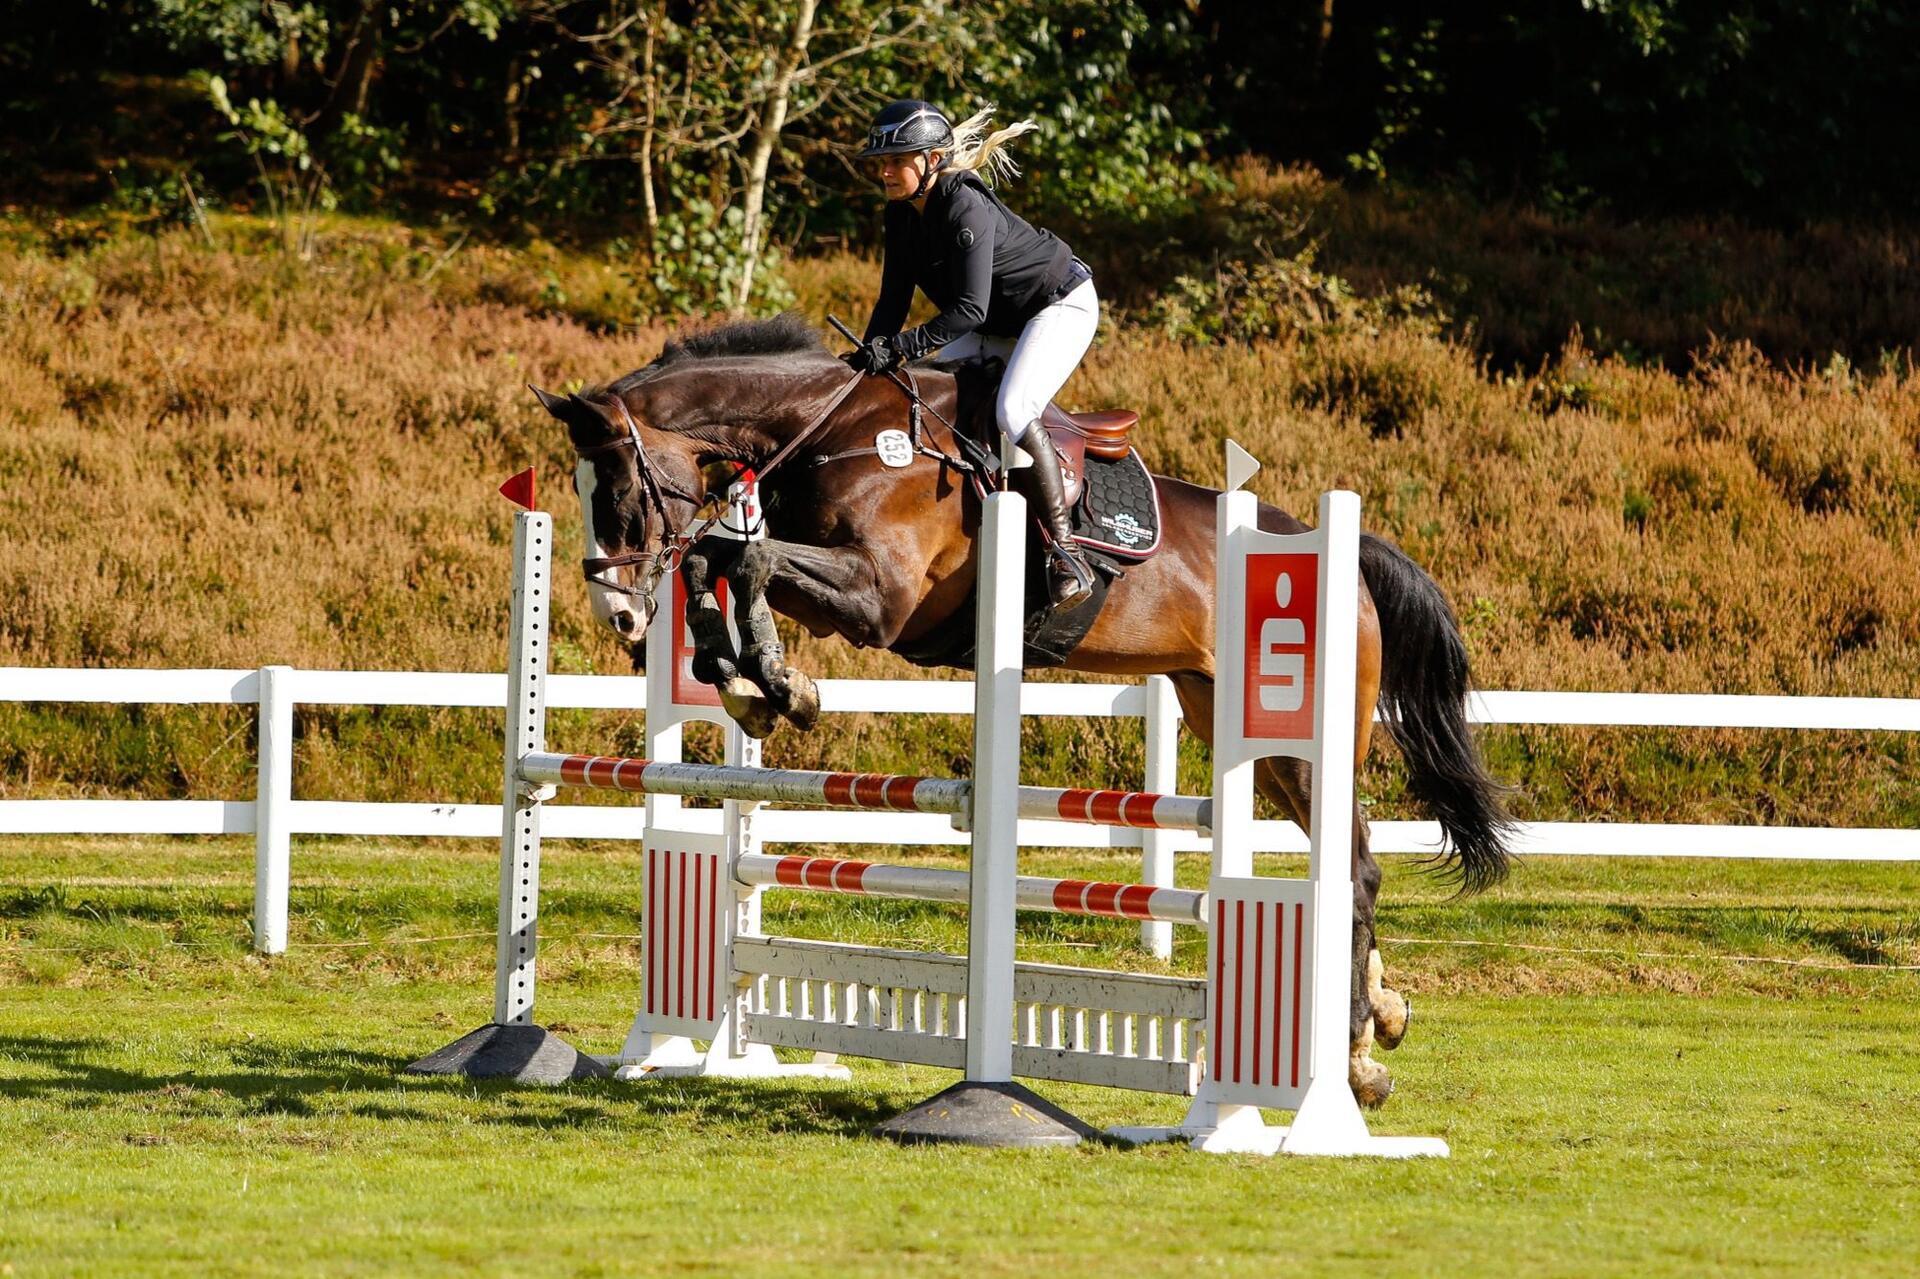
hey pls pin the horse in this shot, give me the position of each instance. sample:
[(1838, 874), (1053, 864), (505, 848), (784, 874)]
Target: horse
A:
[(884, 556)]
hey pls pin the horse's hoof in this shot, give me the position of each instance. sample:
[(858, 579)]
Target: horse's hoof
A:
[(1370, 1081), (1392, 1014), (748, 707), (803, 701)]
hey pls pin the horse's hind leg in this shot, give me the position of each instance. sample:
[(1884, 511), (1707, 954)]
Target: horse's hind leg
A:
[(1390, 1011), (1288, 784)]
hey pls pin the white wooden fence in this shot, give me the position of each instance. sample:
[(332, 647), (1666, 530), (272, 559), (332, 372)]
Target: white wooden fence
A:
[(273, 816)]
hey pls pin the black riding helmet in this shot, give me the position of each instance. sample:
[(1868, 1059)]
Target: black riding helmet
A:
[(906, 127)]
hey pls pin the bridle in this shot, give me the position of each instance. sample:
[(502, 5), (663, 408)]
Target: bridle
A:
[(656, 489)]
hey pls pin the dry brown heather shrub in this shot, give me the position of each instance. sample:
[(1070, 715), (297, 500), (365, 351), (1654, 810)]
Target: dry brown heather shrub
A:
[(225, 460)]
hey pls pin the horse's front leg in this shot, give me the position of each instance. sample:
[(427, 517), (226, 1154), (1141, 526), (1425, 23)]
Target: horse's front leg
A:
[(827, 589), (714, 661)]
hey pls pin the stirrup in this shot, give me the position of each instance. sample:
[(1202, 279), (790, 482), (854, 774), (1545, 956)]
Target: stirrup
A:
[(1083, 577)]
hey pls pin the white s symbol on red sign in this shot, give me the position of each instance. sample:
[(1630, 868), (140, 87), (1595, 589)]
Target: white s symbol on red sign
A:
[(1282, 601)]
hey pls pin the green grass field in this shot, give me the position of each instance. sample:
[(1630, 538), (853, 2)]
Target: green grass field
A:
[(1622, 1095)]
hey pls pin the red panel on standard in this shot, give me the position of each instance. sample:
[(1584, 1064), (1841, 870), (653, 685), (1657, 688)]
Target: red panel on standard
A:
[(1283, 624), (686, 690)]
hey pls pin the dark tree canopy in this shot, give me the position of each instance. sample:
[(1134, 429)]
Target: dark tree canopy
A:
[(623, 112)]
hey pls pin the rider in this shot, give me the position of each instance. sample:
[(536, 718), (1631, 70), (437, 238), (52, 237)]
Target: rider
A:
[(1004, 288)]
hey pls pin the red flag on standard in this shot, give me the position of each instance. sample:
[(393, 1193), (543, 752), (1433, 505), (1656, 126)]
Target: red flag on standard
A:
[(519, 489)]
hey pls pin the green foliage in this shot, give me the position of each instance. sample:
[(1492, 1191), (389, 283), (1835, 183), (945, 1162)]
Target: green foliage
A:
[(697, 258), (1410, 83), (1120, 138), (570, 111), (239, 32)]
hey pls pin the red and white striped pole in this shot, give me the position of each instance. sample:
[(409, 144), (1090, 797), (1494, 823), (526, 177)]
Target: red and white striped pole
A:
[(881, 792), (933, 884)]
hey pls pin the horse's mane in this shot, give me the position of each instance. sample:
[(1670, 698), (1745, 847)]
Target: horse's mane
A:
[(787, 334)]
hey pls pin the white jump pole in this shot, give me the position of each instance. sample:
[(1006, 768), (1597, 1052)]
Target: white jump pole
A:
[(1162, 734), (1092, 898), (513, 1046), (996, 788), (987, 1108), (526, 730), (865, 792)]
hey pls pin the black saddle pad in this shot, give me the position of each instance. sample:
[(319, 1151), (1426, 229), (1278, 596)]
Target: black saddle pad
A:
[(1119, 508)]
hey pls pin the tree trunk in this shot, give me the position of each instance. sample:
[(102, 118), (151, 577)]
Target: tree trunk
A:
[(511, 104), (772, 118), (651, 82), (357, 70)]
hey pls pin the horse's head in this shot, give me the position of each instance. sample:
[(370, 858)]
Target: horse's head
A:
[(638, 488)]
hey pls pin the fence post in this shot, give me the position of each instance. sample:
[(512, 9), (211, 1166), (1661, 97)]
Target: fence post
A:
[(1162, 777), (273, 810)]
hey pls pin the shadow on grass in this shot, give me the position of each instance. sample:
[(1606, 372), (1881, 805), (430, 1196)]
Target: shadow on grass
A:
[(302, 1082)]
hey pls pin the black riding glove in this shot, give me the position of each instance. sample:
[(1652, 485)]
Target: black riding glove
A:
[(873, 357)]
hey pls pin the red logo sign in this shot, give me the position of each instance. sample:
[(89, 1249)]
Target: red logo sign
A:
[(686, 690), (1283, 625)]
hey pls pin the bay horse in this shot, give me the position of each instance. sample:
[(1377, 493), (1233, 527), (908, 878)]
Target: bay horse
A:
[(884, 556)]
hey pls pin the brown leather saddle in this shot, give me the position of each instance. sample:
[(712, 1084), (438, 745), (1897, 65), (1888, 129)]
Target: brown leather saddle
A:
[(1076, 436)]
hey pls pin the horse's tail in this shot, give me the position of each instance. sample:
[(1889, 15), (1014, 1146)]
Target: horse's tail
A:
[(1423, 696)]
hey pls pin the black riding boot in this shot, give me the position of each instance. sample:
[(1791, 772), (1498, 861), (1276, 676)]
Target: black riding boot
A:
[(1069, 576)]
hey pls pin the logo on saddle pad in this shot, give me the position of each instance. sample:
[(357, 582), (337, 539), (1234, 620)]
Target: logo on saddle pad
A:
[(1126, 530), (894, 448)]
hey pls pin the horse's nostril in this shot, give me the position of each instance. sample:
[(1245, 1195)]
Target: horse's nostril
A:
[(625, 622)]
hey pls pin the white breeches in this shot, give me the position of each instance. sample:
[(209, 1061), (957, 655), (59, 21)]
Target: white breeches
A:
[(1039, 361)]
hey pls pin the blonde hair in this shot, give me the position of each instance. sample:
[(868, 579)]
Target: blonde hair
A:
[(976, 149)]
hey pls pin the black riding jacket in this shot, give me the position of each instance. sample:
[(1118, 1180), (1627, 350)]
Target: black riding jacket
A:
[(984, 266)]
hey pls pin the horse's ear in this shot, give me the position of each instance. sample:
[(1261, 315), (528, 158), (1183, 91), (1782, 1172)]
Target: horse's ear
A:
[(548, 401)]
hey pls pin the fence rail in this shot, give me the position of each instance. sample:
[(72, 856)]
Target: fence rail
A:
[(273, 816)]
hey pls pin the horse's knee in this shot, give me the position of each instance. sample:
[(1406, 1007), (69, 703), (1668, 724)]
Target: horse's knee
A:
[(751, 569)]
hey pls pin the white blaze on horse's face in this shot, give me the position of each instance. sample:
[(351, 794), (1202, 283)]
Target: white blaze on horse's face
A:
[(612, 609)]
